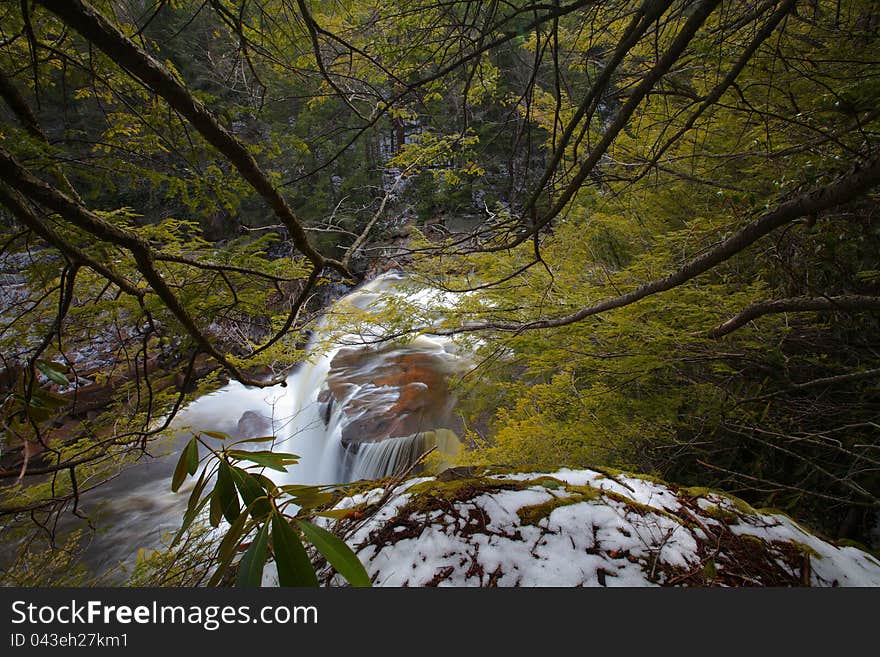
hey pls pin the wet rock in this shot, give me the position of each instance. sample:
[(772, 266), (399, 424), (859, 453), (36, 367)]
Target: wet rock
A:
[(252, 424), (389, 392)]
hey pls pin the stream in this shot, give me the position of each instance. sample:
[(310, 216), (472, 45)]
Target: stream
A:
[(358, 408)]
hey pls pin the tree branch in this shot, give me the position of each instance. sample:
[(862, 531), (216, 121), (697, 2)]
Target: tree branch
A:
[(27, 218), (17, 177), (103, 35), (681, 41), (851, 302), (850, 186)]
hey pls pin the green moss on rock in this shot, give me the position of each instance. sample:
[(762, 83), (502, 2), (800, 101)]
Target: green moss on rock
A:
[(534, 513)]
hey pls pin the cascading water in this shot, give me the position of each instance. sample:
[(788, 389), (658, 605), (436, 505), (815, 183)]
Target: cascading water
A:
[(359, 408)]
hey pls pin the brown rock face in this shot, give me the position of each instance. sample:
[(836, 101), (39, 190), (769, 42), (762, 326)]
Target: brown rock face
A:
[(389, 392)]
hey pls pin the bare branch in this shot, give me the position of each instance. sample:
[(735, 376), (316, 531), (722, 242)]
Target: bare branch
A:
[(850, 302)]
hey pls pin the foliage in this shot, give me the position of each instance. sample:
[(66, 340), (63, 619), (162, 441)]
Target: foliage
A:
[(39, 565), (254, 506)]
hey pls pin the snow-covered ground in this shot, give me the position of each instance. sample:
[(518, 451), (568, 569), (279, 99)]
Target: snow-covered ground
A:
[(583, 528)]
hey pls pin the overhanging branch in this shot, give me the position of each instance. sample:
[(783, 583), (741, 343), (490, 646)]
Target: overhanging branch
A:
[(849, 302), (850, 186), (92, 25)]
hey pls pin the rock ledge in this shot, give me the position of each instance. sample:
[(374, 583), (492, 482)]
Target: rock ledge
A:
[(581, 528)]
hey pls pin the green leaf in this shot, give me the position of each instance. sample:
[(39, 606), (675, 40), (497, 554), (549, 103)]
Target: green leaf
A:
[(251, 492), (308, 497), (34, 411), (294, 566), (192, 456), (225, 491), (274, 460), (42, 399), (47, 399), (52, 372), (189, 518), (219, 435), (232, 538), (250, 568), (201, 484), (184, 464), (337, 553), (261, 439), (229, 546), (268, 485), (215, 512), (304, 489), (193, 506)]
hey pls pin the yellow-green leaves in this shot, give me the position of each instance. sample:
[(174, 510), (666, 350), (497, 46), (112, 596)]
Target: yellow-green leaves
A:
[(187, 464)]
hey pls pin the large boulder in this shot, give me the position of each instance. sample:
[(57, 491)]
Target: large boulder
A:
[(581, 528), (389, 392)]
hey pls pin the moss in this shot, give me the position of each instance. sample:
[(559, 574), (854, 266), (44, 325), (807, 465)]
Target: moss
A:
[(697, 491), (462, 489), (755, 541), (641, 508), (502, 469), (460, 472), (803, 548), (847, 542), (771, 511), (741, 505), (550, 483), (344, 491), (702, 492), (611, 473), (722, 515), (649, 478), (710, 571), (590, 493), (534, 513)]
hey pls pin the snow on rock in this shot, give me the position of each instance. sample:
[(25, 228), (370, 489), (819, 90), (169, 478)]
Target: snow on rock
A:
[(581, 528)]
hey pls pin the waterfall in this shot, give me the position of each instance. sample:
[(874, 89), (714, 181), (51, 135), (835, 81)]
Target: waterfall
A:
[(359, 407), (395, 455), (365, 409)]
